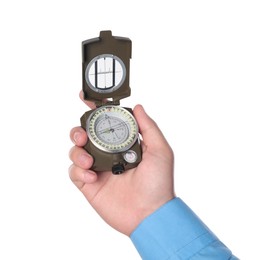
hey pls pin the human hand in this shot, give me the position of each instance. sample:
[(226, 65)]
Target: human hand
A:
[(123, 201)]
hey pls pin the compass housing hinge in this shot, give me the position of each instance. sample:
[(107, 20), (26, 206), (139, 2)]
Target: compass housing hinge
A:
[(106, 103)]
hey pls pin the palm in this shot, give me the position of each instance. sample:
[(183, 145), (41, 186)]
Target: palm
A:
[(124, 200)]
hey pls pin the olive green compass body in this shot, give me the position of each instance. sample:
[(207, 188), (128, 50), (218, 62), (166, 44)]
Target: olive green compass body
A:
[(113, 138)]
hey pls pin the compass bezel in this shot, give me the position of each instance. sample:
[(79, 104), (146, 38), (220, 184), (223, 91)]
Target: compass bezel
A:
[(122, 114)]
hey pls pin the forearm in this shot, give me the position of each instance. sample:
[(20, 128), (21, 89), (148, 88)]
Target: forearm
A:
[(175, 232)]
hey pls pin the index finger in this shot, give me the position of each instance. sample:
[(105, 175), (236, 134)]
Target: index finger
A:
[(78, 136)]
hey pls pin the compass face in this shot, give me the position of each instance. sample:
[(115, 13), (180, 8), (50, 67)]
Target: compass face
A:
[(112, 129), (105, 73)]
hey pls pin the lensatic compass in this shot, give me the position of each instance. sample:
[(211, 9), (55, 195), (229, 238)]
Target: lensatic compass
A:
[(113, 138)]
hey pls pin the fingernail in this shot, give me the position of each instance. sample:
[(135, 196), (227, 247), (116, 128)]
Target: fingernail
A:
[(89, 177), (84, 158), (76, 137)]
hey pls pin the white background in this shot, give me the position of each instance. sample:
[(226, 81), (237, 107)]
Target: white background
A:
[(197, 67)]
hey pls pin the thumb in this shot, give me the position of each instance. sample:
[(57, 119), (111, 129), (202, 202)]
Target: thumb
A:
[(151, 134)]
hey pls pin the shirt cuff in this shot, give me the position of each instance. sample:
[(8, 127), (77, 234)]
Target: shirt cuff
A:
[(173, 230)]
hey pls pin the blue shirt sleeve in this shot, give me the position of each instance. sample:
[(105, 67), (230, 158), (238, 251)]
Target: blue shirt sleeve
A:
[(175, 232)]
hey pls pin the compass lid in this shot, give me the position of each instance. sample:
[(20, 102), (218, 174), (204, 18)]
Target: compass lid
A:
[(105, 68)]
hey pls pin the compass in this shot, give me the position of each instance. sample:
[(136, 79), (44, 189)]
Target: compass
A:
[(112, 130)]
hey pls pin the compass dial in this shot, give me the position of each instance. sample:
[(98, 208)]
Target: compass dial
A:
[(112, 129)]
